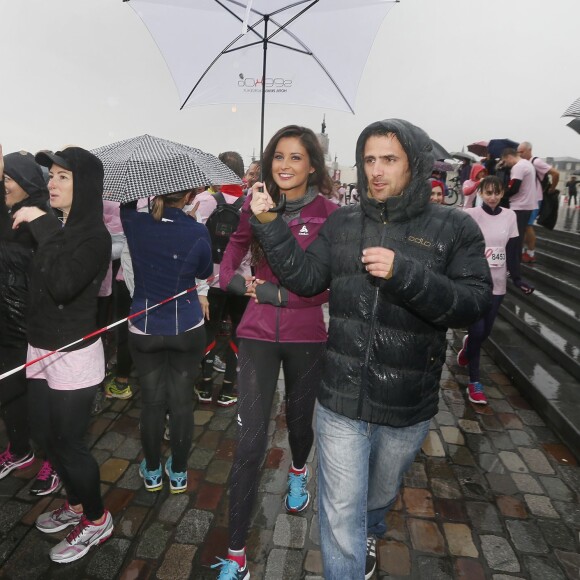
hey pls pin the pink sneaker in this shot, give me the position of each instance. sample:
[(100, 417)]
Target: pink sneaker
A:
[(462, 359), (476, 394), (10, 461)]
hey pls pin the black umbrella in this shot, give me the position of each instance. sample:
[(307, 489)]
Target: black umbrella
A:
[(496, 146), (575, 125), (439, 152)]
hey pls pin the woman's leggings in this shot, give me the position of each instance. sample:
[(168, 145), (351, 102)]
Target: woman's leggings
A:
[(59, 421), (259, 367), (13, 400), (168, 367), (478, 333)]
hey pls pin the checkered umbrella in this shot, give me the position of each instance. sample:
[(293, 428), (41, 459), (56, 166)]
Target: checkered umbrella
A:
[(147, 166)]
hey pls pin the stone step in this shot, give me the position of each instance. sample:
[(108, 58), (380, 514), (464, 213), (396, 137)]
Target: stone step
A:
[(565, 250), (553, 303), (564, 236), (566, 284), (559, 262), (553, 392), (558, 341)]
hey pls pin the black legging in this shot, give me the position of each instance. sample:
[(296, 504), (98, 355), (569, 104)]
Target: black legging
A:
[(59, 421), (13, 400), (168, 367), (220, 305), (478, 333), (259, 364)]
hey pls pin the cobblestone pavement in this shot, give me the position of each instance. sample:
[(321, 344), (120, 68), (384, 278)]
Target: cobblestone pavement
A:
[(492, 495)]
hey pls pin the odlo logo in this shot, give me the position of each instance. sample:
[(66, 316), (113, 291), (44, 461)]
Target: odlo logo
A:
[(270, 83), (420, 241)]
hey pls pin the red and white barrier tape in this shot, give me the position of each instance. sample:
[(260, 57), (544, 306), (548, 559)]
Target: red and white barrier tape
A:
[(104, 329)]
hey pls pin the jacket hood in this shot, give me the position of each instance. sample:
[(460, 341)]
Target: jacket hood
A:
[(475, 169), (87, 169), (416, 195), (24, 170)]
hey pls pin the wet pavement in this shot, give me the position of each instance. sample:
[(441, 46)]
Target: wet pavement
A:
[(494, 495)]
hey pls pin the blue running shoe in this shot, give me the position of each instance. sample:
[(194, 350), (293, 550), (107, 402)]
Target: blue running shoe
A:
[(177, 479), (153, 479), (297, 497), (231, 570)]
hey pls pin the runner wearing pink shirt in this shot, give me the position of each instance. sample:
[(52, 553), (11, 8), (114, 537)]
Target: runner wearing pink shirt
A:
[(499, 228)]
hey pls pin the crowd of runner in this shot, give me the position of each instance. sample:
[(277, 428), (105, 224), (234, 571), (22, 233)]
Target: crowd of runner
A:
[(397, 267)]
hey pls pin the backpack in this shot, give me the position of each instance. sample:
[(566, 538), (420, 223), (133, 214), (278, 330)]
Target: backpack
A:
[(222, 223), (545, 182)]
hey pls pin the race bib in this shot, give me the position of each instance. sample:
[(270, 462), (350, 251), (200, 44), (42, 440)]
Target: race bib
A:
[(495, 257)]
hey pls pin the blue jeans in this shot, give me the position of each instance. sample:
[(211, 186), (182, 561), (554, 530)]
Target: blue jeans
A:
[(360, 468)]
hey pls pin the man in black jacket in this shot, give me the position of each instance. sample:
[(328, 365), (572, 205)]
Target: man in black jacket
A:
[(400, 271)]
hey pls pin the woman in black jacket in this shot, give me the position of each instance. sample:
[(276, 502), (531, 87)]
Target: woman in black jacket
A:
[(22, 184), (74, 249)]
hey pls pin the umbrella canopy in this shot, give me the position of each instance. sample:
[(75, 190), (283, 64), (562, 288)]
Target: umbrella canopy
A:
[(464, 155), (236, 51), (147, 166), (443, 166), (439, 152), (496, 146), (573, 110), (574, 124), (479, 148)]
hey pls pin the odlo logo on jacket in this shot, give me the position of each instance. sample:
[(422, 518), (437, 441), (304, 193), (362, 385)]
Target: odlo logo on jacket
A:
[(304, 231), (420, 241)]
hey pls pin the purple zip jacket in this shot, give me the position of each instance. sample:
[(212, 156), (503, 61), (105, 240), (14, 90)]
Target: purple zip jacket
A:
[(301, 319)]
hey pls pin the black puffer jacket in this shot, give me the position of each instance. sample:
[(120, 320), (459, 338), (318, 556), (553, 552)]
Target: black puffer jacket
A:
[(386, 343), (17, 248), (71, 261)]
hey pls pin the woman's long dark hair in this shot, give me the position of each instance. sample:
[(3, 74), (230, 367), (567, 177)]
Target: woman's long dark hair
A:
[(319, 178)]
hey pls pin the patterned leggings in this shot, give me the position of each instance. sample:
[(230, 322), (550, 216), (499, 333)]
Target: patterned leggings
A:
[(257, 377)]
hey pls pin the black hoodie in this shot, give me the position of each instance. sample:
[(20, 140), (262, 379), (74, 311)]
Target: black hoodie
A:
[(386, 339), (17, 247), (71, 261)]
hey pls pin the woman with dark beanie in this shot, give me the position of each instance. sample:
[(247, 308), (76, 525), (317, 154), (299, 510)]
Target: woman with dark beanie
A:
[(74, 249), (169, 250), (22, 184), (278, 328)]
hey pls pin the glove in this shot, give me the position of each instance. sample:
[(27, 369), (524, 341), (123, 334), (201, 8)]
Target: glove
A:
[(237, 285), (270, 293)]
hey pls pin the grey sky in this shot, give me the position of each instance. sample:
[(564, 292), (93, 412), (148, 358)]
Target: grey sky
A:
[(87, 72)]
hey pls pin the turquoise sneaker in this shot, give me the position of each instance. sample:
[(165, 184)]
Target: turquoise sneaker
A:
[(297, 498), (231, 570), (153, 479), (177, 479)]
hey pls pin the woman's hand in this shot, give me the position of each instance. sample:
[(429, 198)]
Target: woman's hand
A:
[(26, 214), (261, 200), (204, 302)]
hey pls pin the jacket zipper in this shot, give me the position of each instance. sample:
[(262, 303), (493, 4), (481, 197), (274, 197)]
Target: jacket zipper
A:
[(365, 373)]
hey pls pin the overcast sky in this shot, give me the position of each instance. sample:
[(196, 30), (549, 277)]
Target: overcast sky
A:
[(87, 72)]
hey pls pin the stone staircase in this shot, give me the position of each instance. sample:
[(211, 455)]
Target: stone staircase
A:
[(536, 339)]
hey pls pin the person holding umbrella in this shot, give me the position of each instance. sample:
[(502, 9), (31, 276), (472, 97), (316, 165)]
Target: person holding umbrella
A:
[(74, 249), (278, 328), (169, 250)]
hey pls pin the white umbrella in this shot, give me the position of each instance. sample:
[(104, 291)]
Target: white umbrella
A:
[(146, 166), (301, 52)]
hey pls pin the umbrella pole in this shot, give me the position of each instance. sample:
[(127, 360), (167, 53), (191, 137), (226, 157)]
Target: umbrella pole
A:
[(265, 49)]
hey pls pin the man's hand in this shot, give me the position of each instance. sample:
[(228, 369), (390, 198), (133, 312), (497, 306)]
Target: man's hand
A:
[(378, 262), (262, 203), (26, 214)]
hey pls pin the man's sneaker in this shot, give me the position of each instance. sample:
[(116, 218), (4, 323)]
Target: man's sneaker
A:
[(58, 519), (47, 480), (527, 259), (476, 394), (227, 399), (219, 365), (371, 560), (204, 392), (10, 461), (153, 478), (462, 359), (116, 390), (231, 570), (81, 539), (297, 498), (177, 479)]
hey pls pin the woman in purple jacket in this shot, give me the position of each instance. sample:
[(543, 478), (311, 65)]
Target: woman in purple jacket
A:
[(278, 327)]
